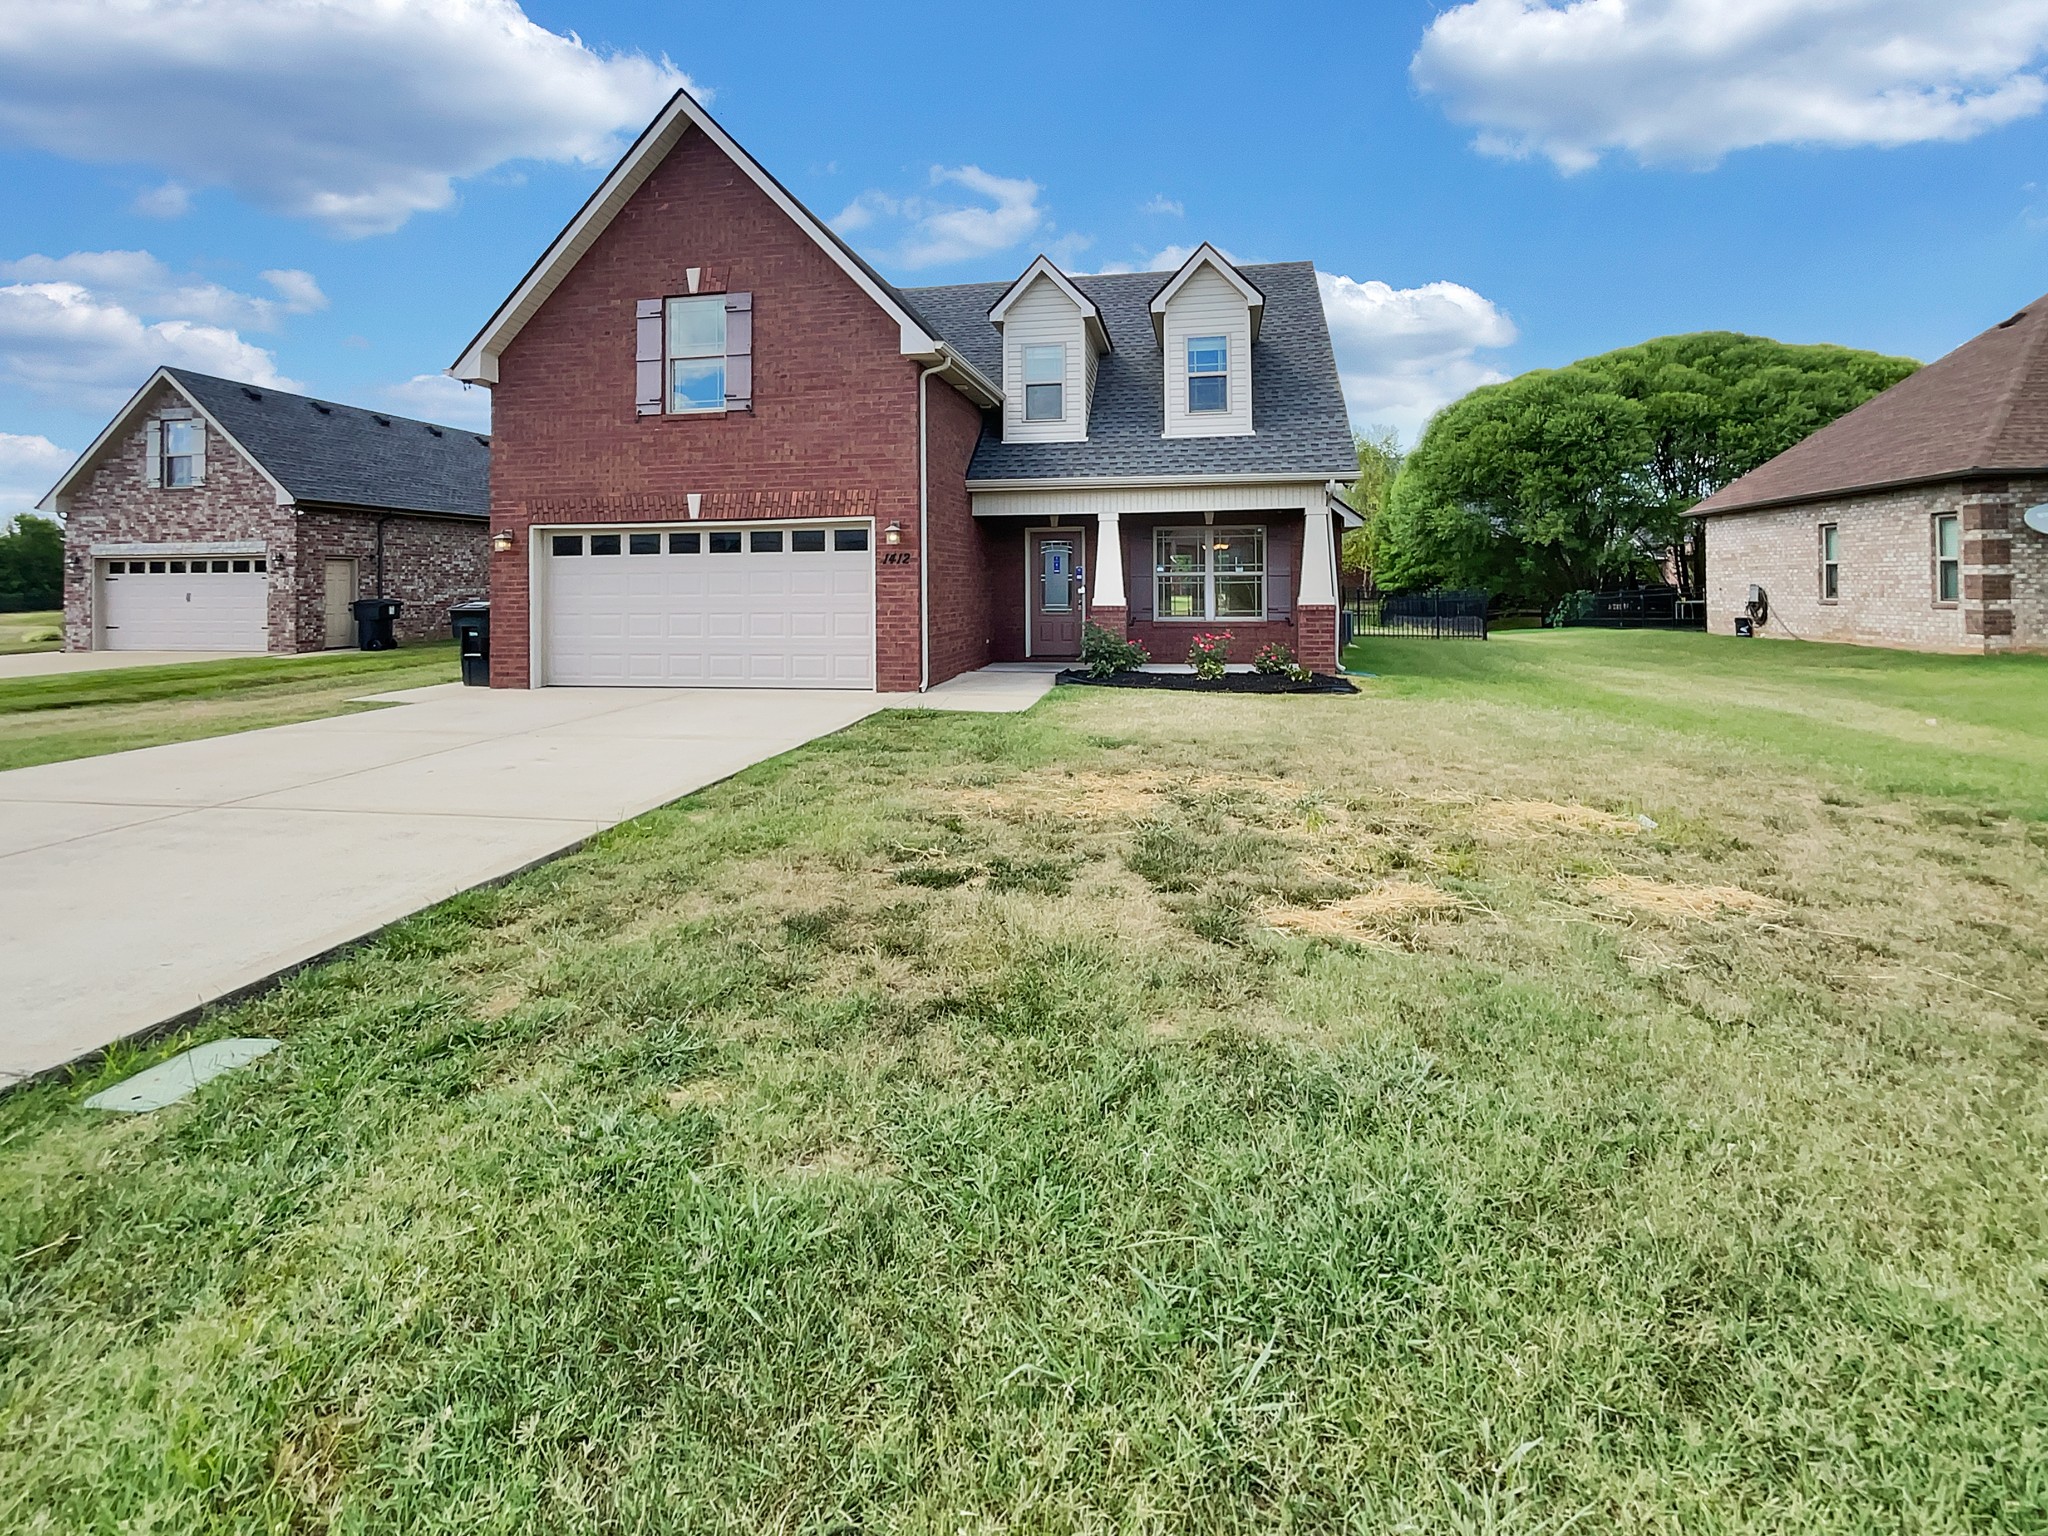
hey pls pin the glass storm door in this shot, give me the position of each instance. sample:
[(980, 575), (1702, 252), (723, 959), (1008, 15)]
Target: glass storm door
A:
[(1056, 597)]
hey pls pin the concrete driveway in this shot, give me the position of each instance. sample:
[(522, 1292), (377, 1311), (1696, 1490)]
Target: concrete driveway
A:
[(138, 886), (51, 663)]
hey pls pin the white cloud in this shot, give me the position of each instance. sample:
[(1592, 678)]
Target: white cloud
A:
[(1169, 258), (1163, 204), (355, 113), (29, 466), (1404, 353), (436, 397), (92, 351), (172, 200), (139, 281), (1688, 81), (930, 231)]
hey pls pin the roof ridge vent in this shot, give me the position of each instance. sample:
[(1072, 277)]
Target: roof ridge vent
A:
[(253, 394), (482, 441), (2006, 325), (324, 410), (382, 421), (433, 429)]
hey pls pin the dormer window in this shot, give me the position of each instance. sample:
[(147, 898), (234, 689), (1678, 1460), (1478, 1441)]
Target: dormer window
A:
[(1208, 373), (696, 354), (1045, 382)]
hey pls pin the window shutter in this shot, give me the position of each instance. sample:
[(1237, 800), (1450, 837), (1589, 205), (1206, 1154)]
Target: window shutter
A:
[(199, 453), (739, 351), (153, 453), (1280, 546), (647, 357), (1139, 577)]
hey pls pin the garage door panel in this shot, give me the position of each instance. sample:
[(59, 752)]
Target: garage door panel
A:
[(767, 615), (184, 605)]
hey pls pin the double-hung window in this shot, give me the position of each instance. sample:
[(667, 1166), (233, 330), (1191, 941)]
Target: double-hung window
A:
[(1830, 562), (1045, 382), (181, 450), (1209, 573), (696, 354), (1948, 558), (1208, 373)]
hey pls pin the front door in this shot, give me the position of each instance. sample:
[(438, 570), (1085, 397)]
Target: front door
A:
[(1056, 599), (340, 592)]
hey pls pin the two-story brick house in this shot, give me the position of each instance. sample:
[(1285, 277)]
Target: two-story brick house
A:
[(726, 451)]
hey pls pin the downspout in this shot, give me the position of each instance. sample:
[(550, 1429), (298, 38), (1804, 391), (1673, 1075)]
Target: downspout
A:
[(924, 568), (380, 555)]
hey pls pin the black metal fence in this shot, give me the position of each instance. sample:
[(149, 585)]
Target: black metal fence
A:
[(1415, 615), (1635, 608)]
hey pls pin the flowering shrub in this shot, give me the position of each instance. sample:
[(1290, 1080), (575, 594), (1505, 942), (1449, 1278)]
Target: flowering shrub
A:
[(1105, 654), (1275, 660), (1209, 654)]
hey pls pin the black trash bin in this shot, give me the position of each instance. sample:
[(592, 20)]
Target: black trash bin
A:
[(374, 618), (472, 624)]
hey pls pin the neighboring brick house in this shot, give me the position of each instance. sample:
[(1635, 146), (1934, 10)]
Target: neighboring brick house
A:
[(727, 451), (212, 515), (1920, 519)]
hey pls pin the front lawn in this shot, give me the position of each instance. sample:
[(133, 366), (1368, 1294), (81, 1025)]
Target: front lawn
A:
[(1549, 1090), (58, 716), (22, 633)]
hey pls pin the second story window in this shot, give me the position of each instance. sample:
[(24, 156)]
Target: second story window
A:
[(696, 354), (180, 453), (1045, 383), (1208, 373)]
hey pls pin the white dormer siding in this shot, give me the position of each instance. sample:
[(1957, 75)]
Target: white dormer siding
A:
[(1044, 316), (1207, 304)]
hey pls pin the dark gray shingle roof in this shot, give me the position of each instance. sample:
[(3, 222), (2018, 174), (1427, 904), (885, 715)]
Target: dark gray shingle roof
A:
[(342, 455), (1297, 403)]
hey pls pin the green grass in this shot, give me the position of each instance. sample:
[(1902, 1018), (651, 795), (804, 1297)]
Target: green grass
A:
[(21, 633), (83, 714), (949, 1127)]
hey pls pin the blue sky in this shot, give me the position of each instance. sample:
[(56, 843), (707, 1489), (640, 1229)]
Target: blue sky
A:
[(334, 194)]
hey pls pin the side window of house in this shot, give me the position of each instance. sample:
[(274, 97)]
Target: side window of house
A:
[(694, 356), (177, 453), (1208, 373), (1830, 562), (1045, 382), (1948, 558), (1209, 573)]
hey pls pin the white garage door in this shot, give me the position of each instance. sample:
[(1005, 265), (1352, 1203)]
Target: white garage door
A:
[(185, 605), (752, 605)]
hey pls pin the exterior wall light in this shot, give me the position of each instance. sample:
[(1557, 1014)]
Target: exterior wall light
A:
[(502, 542), (893, 534)]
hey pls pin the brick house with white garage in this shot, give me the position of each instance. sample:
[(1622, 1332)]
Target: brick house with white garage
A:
[(214, 515), (1919, 519), (726, 451)]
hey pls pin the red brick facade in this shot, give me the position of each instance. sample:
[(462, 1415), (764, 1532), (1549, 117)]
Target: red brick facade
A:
[(429, 563)]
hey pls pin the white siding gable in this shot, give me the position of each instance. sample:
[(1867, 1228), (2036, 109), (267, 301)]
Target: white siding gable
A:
[(1040, 316), (1207, 305)]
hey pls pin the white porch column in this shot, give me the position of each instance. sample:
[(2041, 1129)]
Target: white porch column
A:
[(1318, 560), (1106, 581)]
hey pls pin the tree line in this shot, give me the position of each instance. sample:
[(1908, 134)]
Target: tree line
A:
[(31, 565), (1578, 478)]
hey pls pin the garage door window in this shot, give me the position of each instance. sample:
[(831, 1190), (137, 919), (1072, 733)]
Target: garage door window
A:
[(807, 541), (567, 544), (725, 543), (849, 541), (604, 543), (766, 541), (643, 543), (684, 543)]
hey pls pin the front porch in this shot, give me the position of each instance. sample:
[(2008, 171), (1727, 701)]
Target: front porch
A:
[(1160, 578)]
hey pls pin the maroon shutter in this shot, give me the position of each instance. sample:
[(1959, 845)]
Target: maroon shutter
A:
[(1138, 574), (739, 351), (647, 357), (1281, 542)]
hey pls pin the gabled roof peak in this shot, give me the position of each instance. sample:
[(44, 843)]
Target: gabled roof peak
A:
[(1043, 268), (1206, 255)]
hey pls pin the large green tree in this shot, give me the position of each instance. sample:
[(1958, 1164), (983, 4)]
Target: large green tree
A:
[(31, 564), (1580, 476), (1379, 464)]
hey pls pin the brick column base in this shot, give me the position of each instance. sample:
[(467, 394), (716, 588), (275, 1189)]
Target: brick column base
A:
[(1987, 572), (1316, 625), (1116, 620)]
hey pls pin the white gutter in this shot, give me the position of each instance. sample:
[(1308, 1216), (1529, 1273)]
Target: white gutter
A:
[(924, 563)]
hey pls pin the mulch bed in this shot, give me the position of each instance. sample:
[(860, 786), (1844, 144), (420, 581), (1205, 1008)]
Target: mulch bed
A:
[(1230, 682)]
